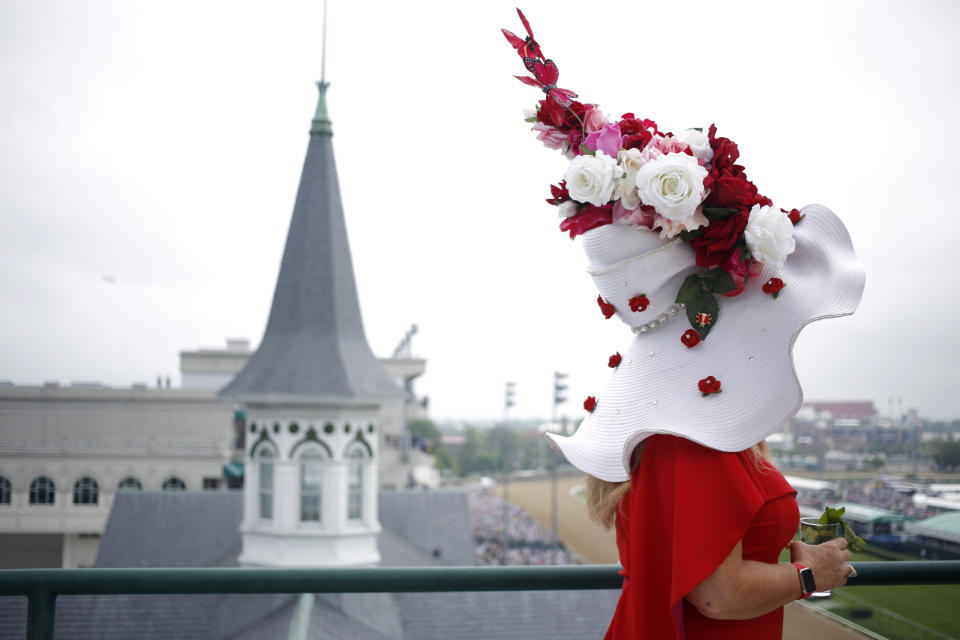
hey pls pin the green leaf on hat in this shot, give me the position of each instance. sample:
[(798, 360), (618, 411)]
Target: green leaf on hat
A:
[(689, 290), (719, 281), (718, 213), (704, 304)]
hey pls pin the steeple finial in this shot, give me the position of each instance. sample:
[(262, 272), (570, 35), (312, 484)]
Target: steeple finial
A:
[(321, 124), (323, 50)]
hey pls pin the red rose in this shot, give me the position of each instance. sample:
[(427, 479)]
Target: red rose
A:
[(794, 215), (639, 303), (605, 307), (690, 338), (725, 151), (614, 360), (550, 113), (589, 217), (559, 192), (630, 125), (590, 404), (719, 239), (709, 385), (773, 287), (564, 118), (734, 191), (637, 140)]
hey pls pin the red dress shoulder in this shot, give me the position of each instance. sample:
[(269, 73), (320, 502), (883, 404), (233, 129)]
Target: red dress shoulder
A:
[(687, 508)]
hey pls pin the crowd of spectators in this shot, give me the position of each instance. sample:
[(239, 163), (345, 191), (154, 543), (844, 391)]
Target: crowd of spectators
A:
[(527, 541), (872, 492)]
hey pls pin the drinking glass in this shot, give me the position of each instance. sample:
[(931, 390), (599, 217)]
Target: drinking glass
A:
[(812, 531)]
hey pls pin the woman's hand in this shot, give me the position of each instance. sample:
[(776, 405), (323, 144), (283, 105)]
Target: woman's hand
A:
[(827, 560)]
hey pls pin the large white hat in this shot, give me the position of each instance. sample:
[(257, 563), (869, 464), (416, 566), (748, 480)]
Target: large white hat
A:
[(674, 230), (750, 351)]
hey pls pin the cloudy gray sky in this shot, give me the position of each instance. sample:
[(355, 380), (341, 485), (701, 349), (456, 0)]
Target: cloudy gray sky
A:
[(150, 153)]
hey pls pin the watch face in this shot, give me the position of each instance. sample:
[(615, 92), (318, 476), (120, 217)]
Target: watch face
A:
[(806, 579)]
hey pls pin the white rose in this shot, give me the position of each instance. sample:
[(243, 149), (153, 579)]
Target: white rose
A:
[(630, 160), (626, 191), (698, 142), (769, 235), (591, 178), (567, 208), (672, 184)]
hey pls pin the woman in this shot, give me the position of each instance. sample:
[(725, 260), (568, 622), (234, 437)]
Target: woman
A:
[(715, 283)]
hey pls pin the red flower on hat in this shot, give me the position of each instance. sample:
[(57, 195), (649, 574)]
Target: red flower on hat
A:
[(639, 303), (794, 215), (605, 307), (588, 217), (559, 193), (614, 360), (773, 287), (690, 338), (709, 385), (590, 404)]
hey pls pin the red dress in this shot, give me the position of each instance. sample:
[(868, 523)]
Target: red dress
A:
[(687, 508)]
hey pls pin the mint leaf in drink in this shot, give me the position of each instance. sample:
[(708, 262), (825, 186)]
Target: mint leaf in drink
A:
[(834, 516)]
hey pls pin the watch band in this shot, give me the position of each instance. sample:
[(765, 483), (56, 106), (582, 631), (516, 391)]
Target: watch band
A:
[(807, 583)]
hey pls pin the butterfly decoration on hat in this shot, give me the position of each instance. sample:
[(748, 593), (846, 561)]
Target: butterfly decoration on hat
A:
[(686, 185)]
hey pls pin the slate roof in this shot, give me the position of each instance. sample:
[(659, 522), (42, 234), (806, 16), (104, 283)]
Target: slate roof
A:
[(177, 529), (314, 345)]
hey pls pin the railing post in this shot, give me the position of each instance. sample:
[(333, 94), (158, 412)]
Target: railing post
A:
[(41, 612)]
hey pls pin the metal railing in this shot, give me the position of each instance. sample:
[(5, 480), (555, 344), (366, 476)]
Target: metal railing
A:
[(42, 586)]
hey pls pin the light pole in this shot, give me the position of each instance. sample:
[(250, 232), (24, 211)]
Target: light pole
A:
[(559, 387)]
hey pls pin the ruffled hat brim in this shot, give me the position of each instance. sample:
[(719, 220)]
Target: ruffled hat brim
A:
[(750, 351)]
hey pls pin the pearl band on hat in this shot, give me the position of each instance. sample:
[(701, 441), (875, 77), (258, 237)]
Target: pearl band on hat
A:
[(671, 311), (613, 267)]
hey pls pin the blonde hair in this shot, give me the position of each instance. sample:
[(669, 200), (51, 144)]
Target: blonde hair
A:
[(604, 498)]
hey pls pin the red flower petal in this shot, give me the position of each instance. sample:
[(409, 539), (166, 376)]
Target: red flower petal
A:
[(614, 360), (690, 338), (709, 385), (639, 303), (590, 404), (605, 307), (773, 286)]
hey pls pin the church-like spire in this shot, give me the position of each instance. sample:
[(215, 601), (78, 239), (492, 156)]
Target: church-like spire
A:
[(314, 347)]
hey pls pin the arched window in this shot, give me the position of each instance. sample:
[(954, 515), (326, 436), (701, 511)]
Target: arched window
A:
[(173, 483), (311, 485), (85, 491), (356, 459), (129, 484), (42, 491), (4, 490), (265, 479)]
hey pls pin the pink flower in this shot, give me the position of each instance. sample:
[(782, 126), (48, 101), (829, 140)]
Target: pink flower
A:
[(593, 119), (740, 271), (669, 145), (642, 216), (607, 140), (551, 137)]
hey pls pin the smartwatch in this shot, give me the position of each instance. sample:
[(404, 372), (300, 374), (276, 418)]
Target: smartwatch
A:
[(807, 584)]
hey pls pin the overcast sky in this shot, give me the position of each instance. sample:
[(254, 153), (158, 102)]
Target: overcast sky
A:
[(150, 154)]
